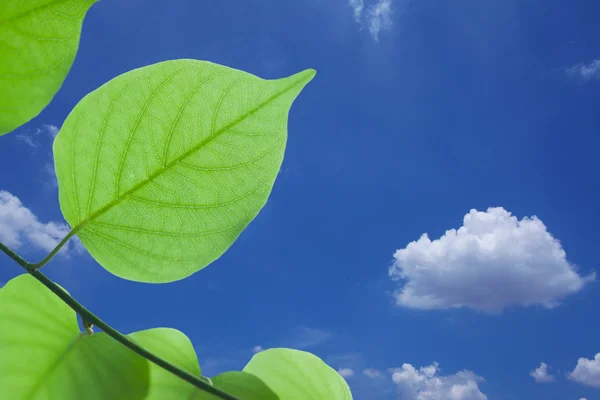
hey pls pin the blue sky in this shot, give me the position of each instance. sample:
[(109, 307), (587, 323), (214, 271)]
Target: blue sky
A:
[(421, 111)]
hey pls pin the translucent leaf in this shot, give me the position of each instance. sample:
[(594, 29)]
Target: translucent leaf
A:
[(241, 384), (38, 43), (176, 348), (161, 169), (294, 374), (44, 356)]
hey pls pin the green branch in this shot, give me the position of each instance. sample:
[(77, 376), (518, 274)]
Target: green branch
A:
[(90, 318), (52, 253)]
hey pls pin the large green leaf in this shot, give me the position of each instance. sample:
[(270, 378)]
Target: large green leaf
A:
[(160, 169), (38, 43), (176, 348), (294, 374), (241, 384), (44, 356)]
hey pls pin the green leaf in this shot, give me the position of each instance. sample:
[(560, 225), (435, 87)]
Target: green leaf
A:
[(44, 356), (241, 384), (176, 348), (161, 169), (294, 374), (38, 44)]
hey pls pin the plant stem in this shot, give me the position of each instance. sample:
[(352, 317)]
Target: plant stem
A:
[(89, 317), (53, 252)]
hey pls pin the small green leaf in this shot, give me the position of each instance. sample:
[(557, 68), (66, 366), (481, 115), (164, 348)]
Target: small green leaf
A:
[(161, 169), (44, 356), (38, 44), (176, 348), (241, 384), (294, 374)]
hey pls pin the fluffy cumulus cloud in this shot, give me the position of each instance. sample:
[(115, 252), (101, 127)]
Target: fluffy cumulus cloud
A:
[(426, 384), (19, 226), (493, 261), (541, 375), (376, 17), (587, 371), (585, 72), (346, 372)]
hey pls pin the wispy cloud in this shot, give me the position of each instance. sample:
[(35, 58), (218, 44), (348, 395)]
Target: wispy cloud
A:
[(346, 372), (380, 17), (376, 17), (18, 225), (585, 72), (32, 139), (42, 138), (304, 337), (257, 349), (373, 373), (357, 7), (541, 375)]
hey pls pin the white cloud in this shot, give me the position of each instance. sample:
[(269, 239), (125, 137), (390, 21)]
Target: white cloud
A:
[(305, 337), (372, 373), (541, 375), (30, 139), (357, 8), (18, 225), (380, 17), (426, 384), (377, 17), (585, 72), (493, 261), (257, 349), (587, 371), (346, 372)]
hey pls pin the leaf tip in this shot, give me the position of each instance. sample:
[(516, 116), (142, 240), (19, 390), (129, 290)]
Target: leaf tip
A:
[(310, 74)]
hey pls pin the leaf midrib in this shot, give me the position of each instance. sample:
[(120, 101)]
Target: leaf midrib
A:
[(166, 167), (52, 367)]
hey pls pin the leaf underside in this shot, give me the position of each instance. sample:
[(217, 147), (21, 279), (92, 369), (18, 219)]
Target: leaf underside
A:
[(161, 168), (44, 356), (38, 43), (174, 347), (295, 374)]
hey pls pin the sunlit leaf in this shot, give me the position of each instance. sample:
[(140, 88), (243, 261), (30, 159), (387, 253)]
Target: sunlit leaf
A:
[(162, 168), (174, 347), (241, 384), (294, 374), (38, 43), (44, 356)]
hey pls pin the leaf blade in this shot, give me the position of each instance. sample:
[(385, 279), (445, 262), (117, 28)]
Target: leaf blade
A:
[(241, 384), (44, 356), (295, 374), (174, 347), (39, 41), (216, 142)]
